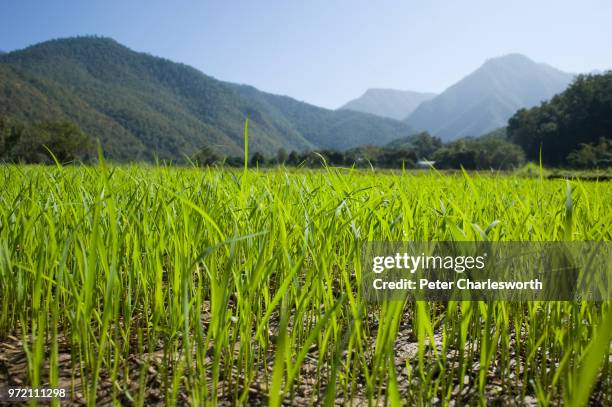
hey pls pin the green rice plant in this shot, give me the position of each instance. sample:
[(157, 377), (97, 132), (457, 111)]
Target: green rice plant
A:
[(139, 284)]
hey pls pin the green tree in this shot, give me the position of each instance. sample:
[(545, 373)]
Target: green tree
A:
[(206, 156), (492, 152), (294, 158), (258, 160), (424, 144), (281, 156), (67, 141), (31, 143), (396, 158), (582, 114), (593, 155)]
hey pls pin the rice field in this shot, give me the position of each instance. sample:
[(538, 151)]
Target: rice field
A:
[(146, 285)]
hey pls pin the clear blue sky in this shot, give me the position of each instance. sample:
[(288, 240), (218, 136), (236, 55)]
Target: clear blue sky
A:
[(327, 52)]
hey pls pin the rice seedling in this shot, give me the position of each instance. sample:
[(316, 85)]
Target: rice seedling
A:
[(152, 284)]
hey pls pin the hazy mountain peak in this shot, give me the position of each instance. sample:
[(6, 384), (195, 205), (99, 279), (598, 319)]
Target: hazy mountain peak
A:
[(512, 58), (486, 98), (392, 103), (518, 62)]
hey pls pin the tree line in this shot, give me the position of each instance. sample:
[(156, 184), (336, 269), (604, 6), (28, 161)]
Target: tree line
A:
[(490, 152), (573, 129), (41, 142)]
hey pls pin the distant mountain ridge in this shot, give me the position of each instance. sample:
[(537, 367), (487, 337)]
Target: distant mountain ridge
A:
[(320, 126), (488, 97), (141, 107), (392, 103)]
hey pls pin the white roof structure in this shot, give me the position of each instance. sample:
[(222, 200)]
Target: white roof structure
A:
[(425, 164)]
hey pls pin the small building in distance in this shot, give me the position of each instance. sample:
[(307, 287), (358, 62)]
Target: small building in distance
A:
[(425, 164)]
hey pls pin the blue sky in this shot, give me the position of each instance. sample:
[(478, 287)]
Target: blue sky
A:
[(327, 52)]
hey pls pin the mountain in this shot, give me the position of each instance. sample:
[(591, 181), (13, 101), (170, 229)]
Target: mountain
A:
[(140, 106), (322, 126), (488, 97), (396, 104)]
